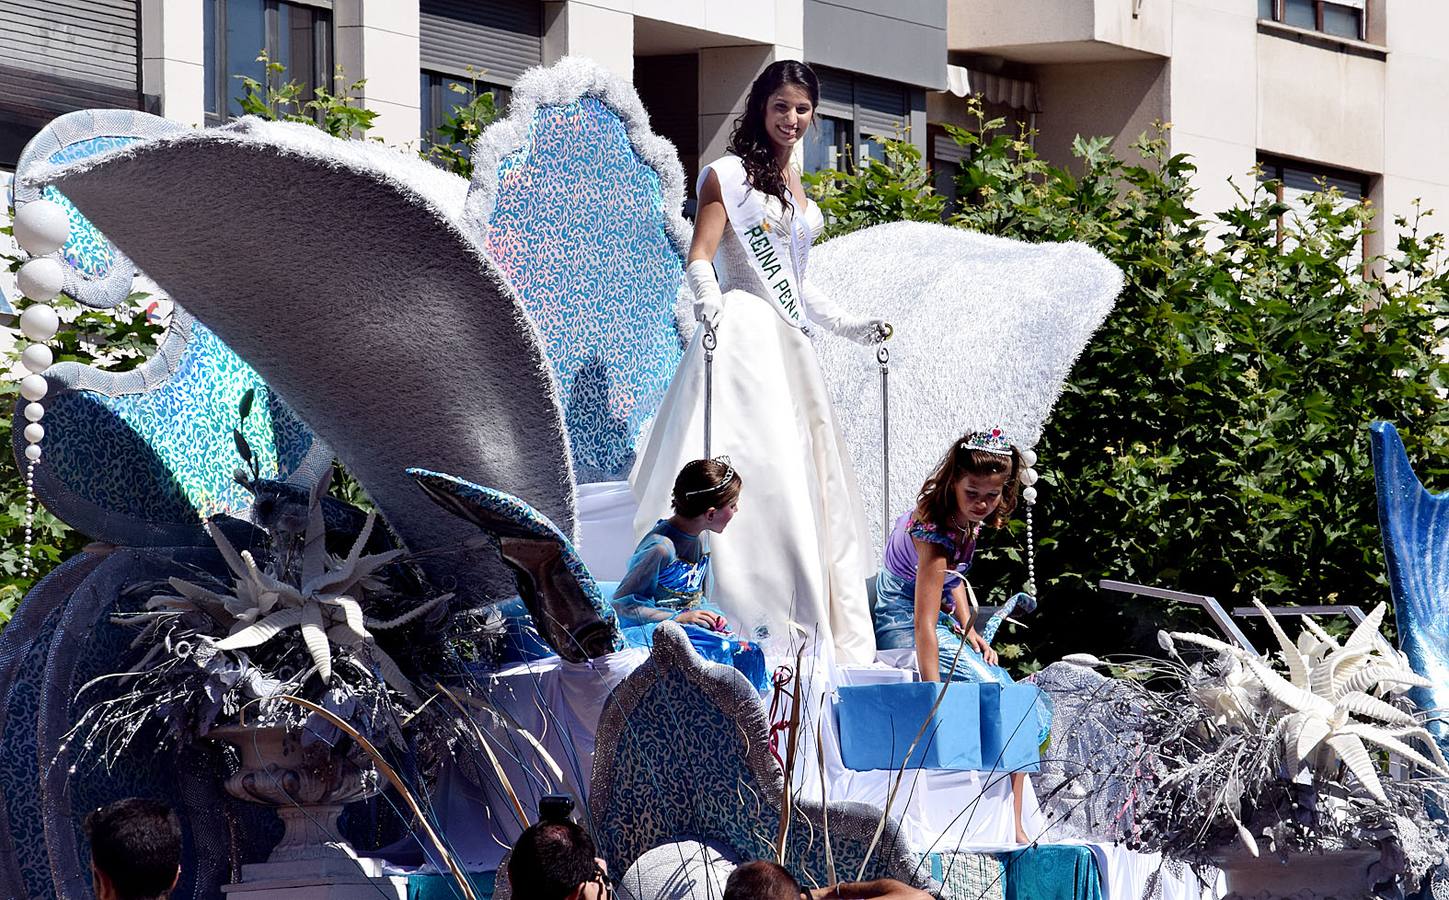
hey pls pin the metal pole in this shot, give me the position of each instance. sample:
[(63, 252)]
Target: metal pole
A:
[(883, 356), (1209, 603), (710, 343)]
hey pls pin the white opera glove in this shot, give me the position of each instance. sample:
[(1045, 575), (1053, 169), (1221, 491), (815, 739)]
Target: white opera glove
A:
[(708, 303), (820, 308)]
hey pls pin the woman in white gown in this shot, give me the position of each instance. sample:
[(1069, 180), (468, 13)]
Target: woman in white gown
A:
[(798, 551)]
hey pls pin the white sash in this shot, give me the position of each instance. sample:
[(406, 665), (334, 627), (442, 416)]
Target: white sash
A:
[(768, 249)]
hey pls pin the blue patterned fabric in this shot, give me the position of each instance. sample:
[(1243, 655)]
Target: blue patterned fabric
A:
[(1052, 872), (578, 228), (1415, 527)]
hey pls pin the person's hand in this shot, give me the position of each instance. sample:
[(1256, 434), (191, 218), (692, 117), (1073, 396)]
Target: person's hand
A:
[(707, 311), (980, 646), (702, 617), (882, 889), (866, 331)]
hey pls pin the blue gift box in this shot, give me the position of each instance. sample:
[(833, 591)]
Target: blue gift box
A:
[(976, 726)]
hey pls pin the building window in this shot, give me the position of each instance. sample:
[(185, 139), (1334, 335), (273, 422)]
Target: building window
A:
[(1295, 182), (827, 144), (443, 95), (298, 35), (1338, 19)]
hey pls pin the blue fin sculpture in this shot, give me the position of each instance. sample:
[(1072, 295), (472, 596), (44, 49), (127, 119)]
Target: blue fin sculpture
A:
[(142, 458), (570, 612), (1415, 526), (578, 203)]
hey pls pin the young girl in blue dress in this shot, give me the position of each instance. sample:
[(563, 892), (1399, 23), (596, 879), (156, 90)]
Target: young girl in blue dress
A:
[(669, 571), (922, 600)]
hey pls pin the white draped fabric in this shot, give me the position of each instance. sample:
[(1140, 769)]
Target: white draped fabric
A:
[(798, 551)]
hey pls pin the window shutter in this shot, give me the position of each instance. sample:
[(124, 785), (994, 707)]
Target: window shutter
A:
[(61, 55), (501, 37), (884, 108)]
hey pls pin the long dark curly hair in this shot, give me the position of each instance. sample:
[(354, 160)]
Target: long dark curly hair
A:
[(749, 141)]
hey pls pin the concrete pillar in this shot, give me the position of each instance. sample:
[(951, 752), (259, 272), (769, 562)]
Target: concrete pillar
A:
[(173, 64), (597, 30), (725, 76), (378, 40)]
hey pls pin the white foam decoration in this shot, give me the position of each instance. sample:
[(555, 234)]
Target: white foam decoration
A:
[(986, 331)]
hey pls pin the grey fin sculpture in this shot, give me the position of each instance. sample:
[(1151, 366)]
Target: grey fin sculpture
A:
[(567, 607), (578, 204), (356, 295), (986, 331), (1415, 528), (141, 458), (649, 789)]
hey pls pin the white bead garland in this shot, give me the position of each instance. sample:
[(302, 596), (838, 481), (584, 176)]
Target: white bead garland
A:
[(41, 228), (1028, 478)]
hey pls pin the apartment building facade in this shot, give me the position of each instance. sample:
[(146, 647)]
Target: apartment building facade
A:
[(692, 60), (1348, 91)]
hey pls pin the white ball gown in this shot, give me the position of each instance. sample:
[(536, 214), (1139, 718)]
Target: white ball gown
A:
[(798, 549)]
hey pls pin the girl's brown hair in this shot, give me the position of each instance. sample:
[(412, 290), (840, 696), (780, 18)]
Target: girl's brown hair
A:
[(704, 484), (936, 502)]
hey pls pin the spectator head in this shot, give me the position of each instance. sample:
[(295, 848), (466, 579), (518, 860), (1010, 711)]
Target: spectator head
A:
[(135, 850), (556, 860), (760, 880)]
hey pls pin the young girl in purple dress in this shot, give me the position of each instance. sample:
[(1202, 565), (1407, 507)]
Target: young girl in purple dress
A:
[(922, 600)]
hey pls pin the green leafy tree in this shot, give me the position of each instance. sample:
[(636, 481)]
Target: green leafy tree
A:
[(1213, 436)]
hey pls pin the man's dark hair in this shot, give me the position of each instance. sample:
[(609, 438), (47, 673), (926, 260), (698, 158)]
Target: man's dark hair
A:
[(136, 843), (550, 860), (761, 880)]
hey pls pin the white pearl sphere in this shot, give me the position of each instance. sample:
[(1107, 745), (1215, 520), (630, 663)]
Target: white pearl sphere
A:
[(41, 279), (39, 322), (34, 412), (35, 432), (1028, 494), (41, 227), (1028, 457), (37, 358), (33, 387), (32, 452), (1028, 477)]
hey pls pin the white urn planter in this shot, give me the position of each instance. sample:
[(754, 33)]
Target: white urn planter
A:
[(308, 786)]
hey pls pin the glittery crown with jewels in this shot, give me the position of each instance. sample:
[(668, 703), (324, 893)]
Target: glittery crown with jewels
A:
[(993, 441)]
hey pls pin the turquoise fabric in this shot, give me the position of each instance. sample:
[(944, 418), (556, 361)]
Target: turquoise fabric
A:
[(443, 887), (1051, 872)]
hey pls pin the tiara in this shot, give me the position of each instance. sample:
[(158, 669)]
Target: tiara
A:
[(993, 441), (728, 476)]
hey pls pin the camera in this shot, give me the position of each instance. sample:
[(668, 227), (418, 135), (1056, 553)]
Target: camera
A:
[(555, 808)]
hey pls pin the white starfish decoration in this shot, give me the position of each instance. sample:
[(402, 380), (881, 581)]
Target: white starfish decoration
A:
[(324, 607), (1327, 706)]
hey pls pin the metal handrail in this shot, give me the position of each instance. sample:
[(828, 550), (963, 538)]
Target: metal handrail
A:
[(1209, 603)]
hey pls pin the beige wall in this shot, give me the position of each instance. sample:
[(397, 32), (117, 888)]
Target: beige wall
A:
[(378, 40), (1319, 104), (1416, 110), (1120, 100), (1061, 30)]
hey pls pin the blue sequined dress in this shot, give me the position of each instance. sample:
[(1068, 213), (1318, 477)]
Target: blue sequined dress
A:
[(666, 577)]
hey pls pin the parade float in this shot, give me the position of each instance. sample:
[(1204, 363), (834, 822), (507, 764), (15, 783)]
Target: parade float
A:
[(352, 703)]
